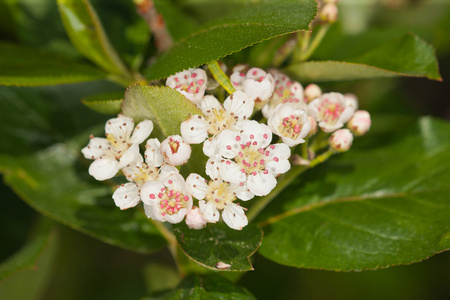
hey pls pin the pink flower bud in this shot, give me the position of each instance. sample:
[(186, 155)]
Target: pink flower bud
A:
[(194, 219), (341, 140), (360, 123), (329, 13), (175, 150), (312, 91)]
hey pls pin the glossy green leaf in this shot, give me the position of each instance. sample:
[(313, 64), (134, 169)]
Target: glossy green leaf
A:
[(234, 32), (21, 66), (54, 184), (384, 203), (178, 23), (210, 287), (106, 103), (31, 265), (87, 35), (26, 257), (217, 245), (165, 106), (405, 56)]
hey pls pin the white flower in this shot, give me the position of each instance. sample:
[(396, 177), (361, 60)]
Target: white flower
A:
[(194, 219), (331, 110), (312, 91), (257, 84), (250, 158), (128, 195), (360, 123), (190, 83), (166, 200), (291, 124), (120, 148), (341, 140), (217, 195), (175, 150), (236, 108), (286, 91)]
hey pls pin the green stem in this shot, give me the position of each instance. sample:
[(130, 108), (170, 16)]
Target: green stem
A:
[(221, 77), (305, 149), (284, 181), (306, 53)]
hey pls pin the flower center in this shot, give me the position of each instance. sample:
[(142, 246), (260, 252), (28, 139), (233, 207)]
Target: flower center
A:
[(145, 173), (118, 146), (219, 193), (192, 87), (252, 158), (219, 120), (171, 201), (174, 145), (291, 127), (329, 112)]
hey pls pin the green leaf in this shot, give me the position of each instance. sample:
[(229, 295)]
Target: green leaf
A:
[(178, 23), (217, 243), (211, 287), (106, 103), (49, 181), (405, 56), (27, 256), (383, 203), (163, 105), (23, 66), (32, 264), (234, 32), (87, 35)]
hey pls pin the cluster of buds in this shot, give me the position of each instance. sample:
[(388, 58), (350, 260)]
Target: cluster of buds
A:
[(245, 156)]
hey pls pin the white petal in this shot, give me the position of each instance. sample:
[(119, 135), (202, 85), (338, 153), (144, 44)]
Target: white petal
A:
[(228, 143), (212, 167), (346, 114), (196, 186), (178, 217), (150, 212), (176, 182), (129, 156), (194, 130), (257, 132), (120, 127), (210, 146), (96, 148), (241, 191), (104, 168), (166, 170), (152, 153), (209, 211), (234, 216), (261, 184), (175, 150), (239, 104), (127, 196), (209, 103), (278, 159), (141, 132), (150, 191), (132, 169), (231, 172)]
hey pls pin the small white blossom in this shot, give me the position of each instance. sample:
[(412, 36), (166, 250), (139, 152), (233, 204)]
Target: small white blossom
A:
[(120, 148), (128, 195), (256, 83), (250, 158), (291, 124), (360, 123), (331, 110), (190, 83), (341, 140), (218, 195), (194, 219), (175, 150), (286, 91), (312, 91), (166, 200), (236, 108)]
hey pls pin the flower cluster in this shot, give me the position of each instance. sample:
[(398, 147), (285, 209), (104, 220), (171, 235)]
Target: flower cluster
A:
[(245, 156)]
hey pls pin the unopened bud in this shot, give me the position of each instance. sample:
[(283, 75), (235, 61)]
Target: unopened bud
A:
[(312, 91), (194, 219), (329, 13), (313, 124), (341, 140), (351, 100), (360, 123), (175, 150)]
